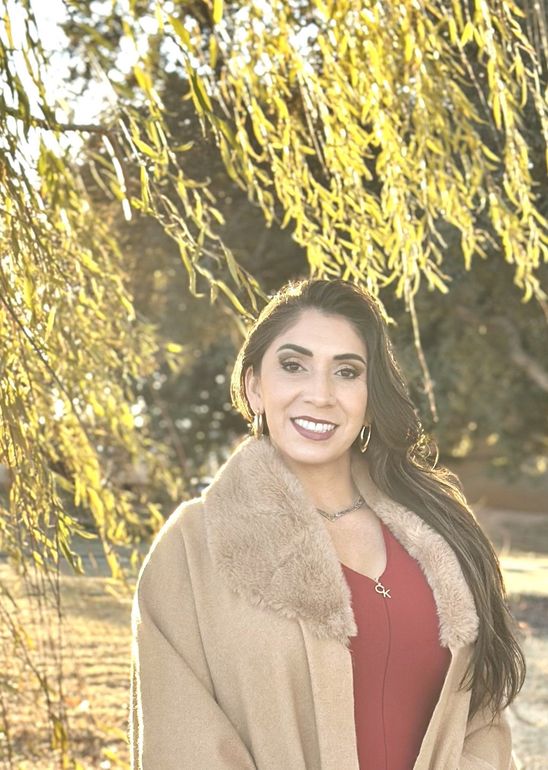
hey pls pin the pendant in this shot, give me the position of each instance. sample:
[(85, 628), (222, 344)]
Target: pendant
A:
[(380, 589)]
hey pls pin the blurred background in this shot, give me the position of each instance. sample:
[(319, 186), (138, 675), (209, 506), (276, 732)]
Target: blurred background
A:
[(164, 168)]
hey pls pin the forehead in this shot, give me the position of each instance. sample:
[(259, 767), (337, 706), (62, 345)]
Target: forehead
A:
[(314, 329)]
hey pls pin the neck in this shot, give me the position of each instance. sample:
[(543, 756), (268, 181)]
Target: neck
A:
[(329, 485)]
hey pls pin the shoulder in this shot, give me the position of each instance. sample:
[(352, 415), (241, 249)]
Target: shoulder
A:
[(167, 551), (164, 596), (184, 519)]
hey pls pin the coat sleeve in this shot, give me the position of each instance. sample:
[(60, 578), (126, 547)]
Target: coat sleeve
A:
[(488, 746), (175, 722)]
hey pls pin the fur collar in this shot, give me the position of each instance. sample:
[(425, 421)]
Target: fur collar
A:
[(272, 548)]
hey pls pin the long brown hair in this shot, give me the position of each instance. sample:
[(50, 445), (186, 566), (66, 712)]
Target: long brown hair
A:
[(400, 464)]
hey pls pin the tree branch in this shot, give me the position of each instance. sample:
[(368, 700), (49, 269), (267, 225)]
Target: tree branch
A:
[(90, 128), (526, 362)]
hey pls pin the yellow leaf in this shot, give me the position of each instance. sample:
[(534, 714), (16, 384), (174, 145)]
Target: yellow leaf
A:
[(159, 17), (90, 263), (496, 110), (489, 154), (146, 148), (287, 217), (322, 8), (59, 739), (38, 558), (217, 215), (409, 48), (213, 51), (232, 297), (453, 33), (28, 290), (96, 406), (491, 73), (232, 266), (507, 113), (126, 419), (523, 100), (96, 505), (181, 32), (217, 11), (142, 78), (200, 93), (113, 563), (467, 33), (187, 262), (183, 147), (174, 347), (434, 145), (7, 30), (91, 471), (435, 282)]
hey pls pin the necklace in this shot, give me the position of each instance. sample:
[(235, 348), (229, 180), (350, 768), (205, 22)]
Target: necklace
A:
[(379, 588), (334, 516)]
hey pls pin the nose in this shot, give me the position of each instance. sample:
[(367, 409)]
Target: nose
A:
[(320, 390)]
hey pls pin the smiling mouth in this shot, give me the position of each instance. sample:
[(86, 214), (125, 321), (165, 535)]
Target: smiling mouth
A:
[(313, 425)]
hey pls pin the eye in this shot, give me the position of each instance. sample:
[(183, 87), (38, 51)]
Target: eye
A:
[(348, 373), (288, 366)]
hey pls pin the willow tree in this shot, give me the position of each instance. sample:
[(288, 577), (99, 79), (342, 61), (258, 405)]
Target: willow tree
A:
[(374, 130), (73, 353)]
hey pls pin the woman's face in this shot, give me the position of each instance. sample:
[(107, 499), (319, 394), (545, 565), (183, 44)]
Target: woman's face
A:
[(312, 388)]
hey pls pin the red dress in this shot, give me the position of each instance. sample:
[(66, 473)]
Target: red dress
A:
[(399, 665)]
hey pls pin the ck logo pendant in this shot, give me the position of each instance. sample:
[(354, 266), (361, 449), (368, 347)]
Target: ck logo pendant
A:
[(380, 589)]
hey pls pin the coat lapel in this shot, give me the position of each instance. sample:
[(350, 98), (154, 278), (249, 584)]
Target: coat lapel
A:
[(270, 545)]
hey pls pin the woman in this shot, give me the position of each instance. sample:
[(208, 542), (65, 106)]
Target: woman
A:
[(330, 602)]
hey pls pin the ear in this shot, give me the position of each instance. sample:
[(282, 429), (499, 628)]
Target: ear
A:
[(253, 390)]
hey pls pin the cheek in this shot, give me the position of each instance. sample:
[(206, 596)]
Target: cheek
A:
[(357, 400), (281, 391)]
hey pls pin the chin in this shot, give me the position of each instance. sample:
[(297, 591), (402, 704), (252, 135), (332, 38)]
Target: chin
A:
[(314, 453)]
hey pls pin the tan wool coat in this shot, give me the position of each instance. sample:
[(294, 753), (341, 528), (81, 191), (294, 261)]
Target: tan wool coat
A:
[(241, 625)]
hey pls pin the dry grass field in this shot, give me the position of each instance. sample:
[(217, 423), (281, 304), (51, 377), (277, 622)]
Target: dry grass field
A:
[(96, 644)]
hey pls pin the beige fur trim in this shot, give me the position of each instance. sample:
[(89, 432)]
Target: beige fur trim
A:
[(270, 545), (454, 601)]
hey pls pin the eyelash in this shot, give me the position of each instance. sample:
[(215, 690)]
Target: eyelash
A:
[(284, 364)]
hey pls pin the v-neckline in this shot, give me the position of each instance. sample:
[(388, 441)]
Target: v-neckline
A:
[(387, 550)]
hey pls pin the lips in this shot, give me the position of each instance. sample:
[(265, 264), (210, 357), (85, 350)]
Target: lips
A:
[(322, 434), (313, 419)]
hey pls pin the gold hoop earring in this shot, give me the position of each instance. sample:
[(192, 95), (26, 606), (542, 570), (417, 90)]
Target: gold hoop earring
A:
[(364, 442), (258, 424)]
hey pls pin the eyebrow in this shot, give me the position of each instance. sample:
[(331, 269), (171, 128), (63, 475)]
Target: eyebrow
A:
[(306, 352)]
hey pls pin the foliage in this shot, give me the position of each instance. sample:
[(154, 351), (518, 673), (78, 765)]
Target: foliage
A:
[(367, 125), (394, 140), (202, 163), (72, 351)]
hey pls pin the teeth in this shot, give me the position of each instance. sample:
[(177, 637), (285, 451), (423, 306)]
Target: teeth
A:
[(317, 427)]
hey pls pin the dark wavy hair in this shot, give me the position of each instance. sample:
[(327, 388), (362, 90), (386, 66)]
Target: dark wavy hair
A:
[(399, 461)]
